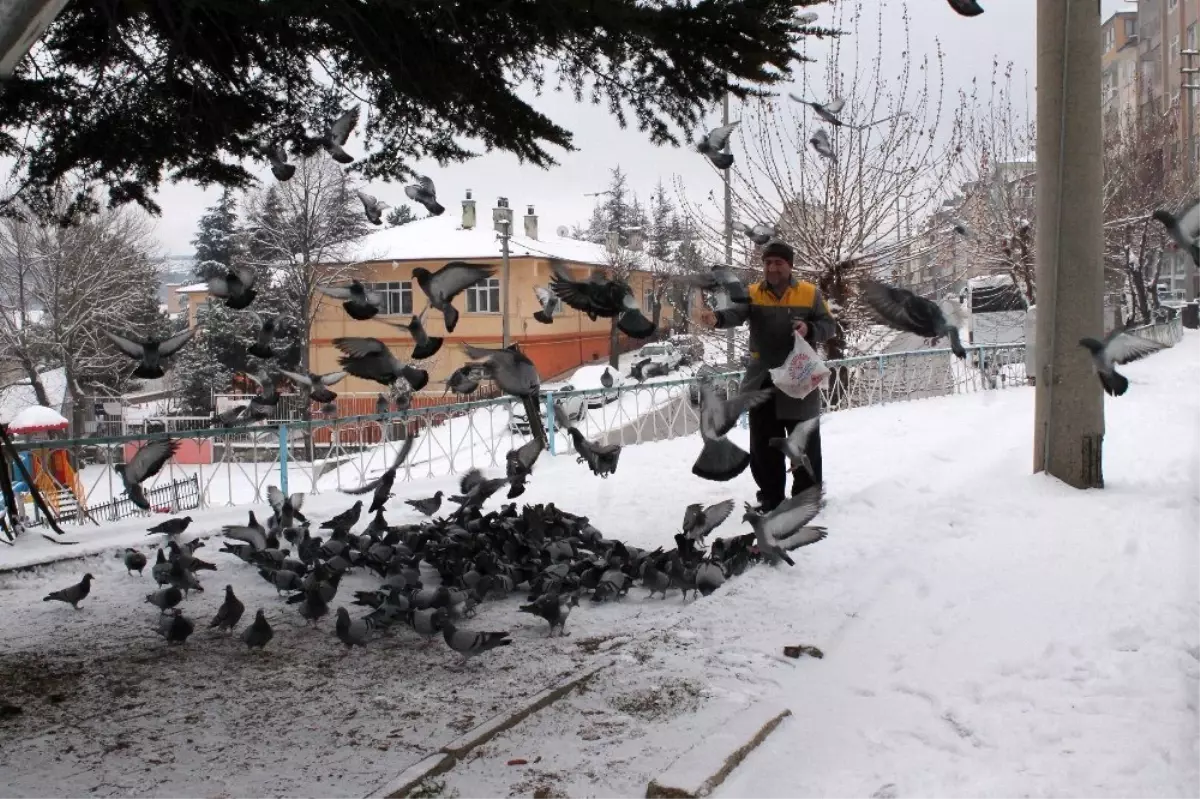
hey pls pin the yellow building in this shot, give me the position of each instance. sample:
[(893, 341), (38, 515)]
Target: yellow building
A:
[(385, 260)]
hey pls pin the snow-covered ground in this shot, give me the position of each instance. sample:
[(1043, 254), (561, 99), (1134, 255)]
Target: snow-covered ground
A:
[(986, 632)]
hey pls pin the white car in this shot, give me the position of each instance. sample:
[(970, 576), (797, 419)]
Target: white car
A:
[(589, 378), (664, 354), (573, 404)]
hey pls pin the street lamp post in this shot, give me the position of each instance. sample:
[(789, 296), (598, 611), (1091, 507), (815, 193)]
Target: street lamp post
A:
[(730, 352), (502, 216)]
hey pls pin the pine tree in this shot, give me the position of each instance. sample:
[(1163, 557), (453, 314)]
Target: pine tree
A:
[(216, 239), (400, 215), (663, 224)]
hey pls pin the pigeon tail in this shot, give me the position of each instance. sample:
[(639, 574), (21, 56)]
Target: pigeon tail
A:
[(721, 160), (451, 315), (427, 348), (283, 173), (542, 317), (144, 372), (138, 497), (436, 208), (417, 378), (721, 460), (956, 343), (359, 312), (242, 301), (1115, 383)]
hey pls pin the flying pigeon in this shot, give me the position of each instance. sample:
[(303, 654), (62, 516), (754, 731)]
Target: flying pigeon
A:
[(336, 135), (351, 633), (382, 486), (144, 464), (820, 143), (372, 207), (171, 527), (793, 447), (280, 168), (600, 297), (968, 8), (262, 403), (720, 278), (601, 458), (73, 594), (423, 192), (428, 506), (509, 368), (442, 286), (175, 628), (476, 490), (901, 309), (463, 380), (1184, 229), (699, 521), (960, 227), (229, 417), (259, 633), (134, 560), (165, 599), (721, 459), (518, 465), (469, 644), (150, 353), (285, 509), (251, 533), (785, 528), (760, 232), (713, 146), (370, 359), (1118, 347), (828, 111), (360, 303), (266, 332), (230, 612), (236, 287), (551, 305), (425, 345), (317, 385)]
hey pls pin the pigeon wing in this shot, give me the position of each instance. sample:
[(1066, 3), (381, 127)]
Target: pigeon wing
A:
[(336, 292), (456, 276), (148, 460), (296, 377), (332, 378), (1189, 220), (1125, 347), (357, 347), (130, 348), (574, 293), (691, 516), (369, 203), (719, 137), (175, 343), (835, 105), (275, 498), (801, 538), (402, 454), (891, 304), (792, 514), (527, 453), (735, 406), (715, 516), (341, 129), (426, 184), (247, 274), (798, 438), (412, 192)]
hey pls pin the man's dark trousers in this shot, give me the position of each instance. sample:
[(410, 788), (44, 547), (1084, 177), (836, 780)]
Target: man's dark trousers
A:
[(769, 465)]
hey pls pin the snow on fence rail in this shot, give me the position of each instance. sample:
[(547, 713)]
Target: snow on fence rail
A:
[(234, 467)]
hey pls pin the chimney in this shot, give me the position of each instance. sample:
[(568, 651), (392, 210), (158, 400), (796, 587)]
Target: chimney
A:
[(502, 216), (468, 219), (636, 240), (531, 224)]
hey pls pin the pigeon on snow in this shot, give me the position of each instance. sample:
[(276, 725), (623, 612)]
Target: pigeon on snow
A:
[(786, 527), (317, 385), (370, 359), (166, 598), (902, 310), (230, 612), (144, 464), (968, 8), (236, 287), (134, 560), (713, 145), (469, 644), (372, 207), (259, 633), (351, 633), (175, 628), (359, 303), (721, 459), (73, 594), (793, 447), (600, 458), (424, 192), (427, 506), (442, 286), (1118, 347), (150, 353)]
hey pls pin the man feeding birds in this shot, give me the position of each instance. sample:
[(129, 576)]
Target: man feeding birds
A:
[(780, 307)]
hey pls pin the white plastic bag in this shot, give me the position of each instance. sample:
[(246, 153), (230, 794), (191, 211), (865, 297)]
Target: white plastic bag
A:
[(801, 372)]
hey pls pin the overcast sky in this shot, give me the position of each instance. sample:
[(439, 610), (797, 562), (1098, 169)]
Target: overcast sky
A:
[(1005, 32)]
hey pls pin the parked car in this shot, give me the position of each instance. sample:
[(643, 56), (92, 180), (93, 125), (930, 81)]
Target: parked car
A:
[(587, 378), (573, 404), (664, 354)]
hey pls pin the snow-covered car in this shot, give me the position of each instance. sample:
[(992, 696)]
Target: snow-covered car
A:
[(573, 404), (588, 378), (664, 354)]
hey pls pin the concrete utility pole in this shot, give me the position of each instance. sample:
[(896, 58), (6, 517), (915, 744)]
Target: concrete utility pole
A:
[(730, 351), (22, 23), (1189, 86), (502, 217), (1069, 418)]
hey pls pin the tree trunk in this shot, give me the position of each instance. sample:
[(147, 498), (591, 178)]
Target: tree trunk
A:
[(35, 379), (835, 289)]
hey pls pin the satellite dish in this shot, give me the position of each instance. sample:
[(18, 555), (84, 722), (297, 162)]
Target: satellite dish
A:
[(562, 231)]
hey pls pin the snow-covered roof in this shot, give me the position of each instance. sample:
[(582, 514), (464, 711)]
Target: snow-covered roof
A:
[(20, 395), (443, 237), (194, 288), (37, 418)]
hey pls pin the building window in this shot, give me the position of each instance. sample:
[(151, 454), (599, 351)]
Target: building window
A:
[(648, 298), (397, 297), (1130, 27), (1110, 36), (1191, 36), (485, 297)]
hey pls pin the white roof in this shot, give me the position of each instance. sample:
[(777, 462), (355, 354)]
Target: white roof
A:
[(195, 288), (443, 238), (20, 395), (37, 417)]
